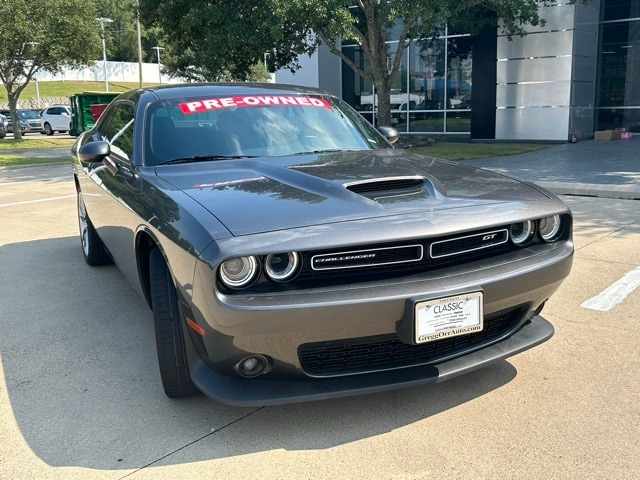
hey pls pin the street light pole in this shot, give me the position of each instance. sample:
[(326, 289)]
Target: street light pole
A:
[(139, 41), (157, 49), (102, 21)]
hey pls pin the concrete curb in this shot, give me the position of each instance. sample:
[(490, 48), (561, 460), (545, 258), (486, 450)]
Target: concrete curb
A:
[(627, 192)]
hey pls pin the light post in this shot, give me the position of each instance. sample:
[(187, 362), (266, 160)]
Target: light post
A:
[(102, 21), (139, 42), (157, 49)]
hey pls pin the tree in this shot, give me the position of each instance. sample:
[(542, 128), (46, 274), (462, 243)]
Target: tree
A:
[(121, 35), (215, 40), (43, 34), (369, 22)]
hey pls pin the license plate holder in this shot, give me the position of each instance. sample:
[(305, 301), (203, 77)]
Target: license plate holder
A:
[(447, 317)]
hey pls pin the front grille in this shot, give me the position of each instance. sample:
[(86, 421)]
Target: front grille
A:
[(468, 243), (384, 352), (367, 258)]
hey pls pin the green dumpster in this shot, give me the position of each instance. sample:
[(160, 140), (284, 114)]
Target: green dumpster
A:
[(81, 111)]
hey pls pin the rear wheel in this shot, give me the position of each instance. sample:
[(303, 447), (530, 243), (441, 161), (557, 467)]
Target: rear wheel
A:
[(167, 319), (92, 247)]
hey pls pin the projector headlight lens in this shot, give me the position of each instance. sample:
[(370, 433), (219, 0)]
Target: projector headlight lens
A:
[(550, 228), (282, 267), (239, 272), (521, 233)]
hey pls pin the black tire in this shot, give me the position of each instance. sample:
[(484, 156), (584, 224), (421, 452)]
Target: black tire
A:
[(92, 247), (47, 129), (167, 319)]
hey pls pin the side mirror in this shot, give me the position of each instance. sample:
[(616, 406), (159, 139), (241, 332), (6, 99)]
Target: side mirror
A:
[(94, 152), (390, 133)]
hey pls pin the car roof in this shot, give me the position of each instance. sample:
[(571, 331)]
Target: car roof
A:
[(216, 89)]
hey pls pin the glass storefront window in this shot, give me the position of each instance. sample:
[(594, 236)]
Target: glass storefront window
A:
[(427, 122), (428, 75), (612, 118), (459, 73), (621, 9), (619, 56), (431, 80), (459, 121)]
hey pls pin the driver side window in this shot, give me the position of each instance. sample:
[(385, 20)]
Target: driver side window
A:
[(117, 129)]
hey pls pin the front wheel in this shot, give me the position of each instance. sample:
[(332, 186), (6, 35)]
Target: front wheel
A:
[(47, 129), (167, 320), (92, 247)]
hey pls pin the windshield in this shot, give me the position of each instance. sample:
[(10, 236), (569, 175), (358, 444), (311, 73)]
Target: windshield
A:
[(250, 126), (27, 114)]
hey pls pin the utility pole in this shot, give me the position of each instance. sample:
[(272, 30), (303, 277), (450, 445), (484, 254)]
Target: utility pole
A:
[(139, 41)]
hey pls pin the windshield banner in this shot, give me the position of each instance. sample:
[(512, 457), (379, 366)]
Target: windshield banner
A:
[(252, 101)]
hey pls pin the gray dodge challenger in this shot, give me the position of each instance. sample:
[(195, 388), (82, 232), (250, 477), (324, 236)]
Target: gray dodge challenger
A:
[(290, 253)]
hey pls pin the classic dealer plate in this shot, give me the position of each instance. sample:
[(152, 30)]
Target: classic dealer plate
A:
[(448, 317)]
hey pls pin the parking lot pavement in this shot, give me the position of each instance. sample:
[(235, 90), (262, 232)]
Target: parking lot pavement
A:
[(80, 396), (607, 169)]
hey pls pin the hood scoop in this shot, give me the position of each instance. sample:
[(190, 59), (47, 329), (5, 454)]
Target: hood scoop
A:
[(381, 189)]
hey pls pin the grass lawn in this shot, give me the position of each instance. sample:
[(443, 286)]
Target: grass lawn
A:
[(44, 142), (15, 160), (18, 152), (66, 88), (446, 150), (468, 150)]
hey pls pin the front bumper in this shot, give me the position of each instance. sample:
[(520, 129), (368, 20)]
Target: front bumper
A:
[(259, 392)]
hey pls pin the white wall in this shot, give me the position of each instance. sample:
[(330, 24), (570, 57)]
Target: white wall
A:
[(116, 72)]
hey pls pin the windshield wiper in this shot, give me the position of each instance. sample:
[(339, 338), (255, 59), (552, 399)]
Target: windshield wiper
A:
[(203, 158), (329, 150)]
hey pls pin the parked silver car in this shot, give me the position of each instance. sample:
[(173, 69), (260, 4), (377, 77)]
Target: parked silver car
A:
[(3, 126), (29, 121)]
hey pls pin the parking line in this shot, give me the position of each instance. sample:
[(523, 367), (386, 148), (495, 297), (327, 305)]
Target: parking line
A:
[(40, 180), (614, 294), (35, 201)]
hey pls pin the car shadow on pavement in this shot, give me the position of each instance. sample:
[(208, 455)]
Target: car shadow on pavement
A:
[(79, 383)]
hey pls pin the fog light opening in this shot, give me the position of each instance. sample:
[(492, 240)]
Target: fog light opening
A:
[(253, 366)]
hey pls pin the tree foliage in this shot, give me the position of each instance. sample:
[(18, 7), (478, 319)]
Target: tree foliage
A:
[(225, 38), (121, 35), (43, 34)]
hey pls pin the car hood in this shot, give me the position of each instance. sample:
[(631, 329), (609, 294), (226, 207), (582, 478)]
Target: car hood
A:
[(266, 194)]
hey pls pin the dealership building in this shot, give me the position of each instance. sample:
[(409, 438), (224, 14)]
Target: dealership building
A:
[(577, 74)]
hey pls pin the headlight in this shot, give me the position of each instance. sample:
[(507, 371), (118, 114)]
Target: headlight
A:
[(522, 232), (239, 272), (281, 267), (550, 228)]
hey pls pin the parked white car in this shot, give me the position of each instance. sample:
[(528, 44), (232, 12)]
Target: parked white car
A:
[(56, 118)]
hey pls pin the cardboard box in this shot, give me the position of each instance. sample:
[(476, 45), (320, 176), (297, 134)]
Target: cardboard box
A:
[(603, 135)]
